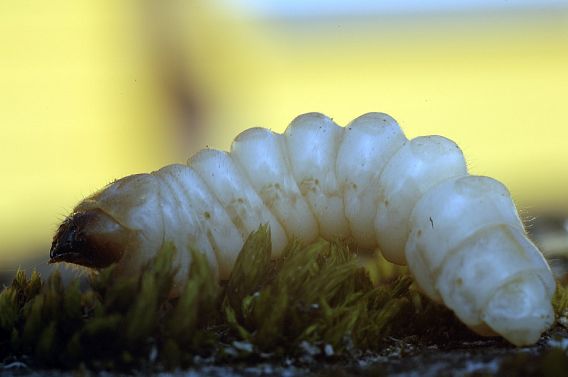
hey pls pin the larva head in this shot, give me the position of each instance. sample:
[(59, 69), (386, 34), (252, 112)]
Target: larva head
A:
[(90, 238), (123, 219)]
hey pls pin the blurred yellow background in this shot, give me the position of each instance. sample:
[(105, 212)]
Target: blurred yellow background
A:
[(94, 90)]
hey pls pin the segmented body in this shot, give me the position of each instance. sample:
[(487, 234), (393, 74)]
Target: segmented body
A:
[(460, 234)]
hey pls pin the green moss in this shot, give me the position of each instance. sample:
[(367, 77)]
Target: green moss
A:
[(560, 301), (319, 294), (315, 296)]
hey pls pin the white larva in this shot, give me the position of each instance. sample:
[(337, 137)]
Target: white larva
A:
[(460, 234)]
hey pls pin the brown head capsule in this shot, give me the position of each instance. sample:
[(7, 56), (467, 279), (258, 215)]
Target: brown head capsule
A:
[(89, 238)]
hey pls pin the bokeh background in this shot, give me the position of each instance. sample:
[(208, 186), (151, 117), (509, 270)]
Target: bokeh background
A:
[(94, 90)]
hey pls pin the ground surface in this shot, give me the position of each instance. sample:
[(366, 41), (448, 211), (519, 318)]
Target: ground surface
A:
[(484, 357)]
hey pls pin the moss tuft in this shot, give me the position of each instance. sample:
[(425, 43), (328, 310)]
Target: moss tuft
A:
[(318, 294), (560, 300)]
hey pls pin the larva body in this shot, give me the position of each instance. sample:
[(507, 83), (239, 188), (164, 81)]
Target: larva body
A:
[(460, 234)]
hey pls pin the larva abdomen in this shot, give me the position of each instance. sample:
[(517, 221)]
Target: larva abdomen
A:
[(460, 234), (417, 166), (263, 157), (312, 142), (466, 243), (186, 199), (368, 144), (237, 196)]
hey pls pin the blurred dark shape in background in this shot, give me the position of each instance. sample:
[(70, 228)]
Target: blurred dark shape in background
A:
[(186, 103)]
